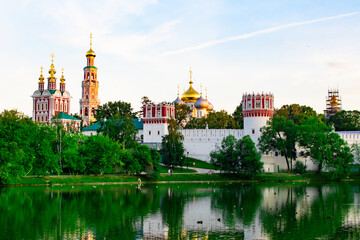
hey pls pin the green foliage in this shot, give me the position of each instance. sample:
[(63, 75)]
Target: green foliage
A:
[(172, 146), (226, 157), (346, 121), (148, 159), (214, 120), (249, 157), (326, 148), (111, 109), (238, 156), (220, 120), (182, 114), (296, 113), (71, 161), (100, 154), (299, 167), (238, 117), (120, 128), (279, 135)]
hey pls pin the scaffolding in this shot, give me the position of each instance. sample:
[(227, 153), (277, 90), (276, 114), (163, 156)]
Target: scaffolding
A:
[(333, 103)]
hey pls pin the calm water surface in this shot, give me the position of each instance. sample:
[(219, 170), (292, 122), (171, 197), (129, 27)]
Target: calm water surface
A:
[(182, 211)]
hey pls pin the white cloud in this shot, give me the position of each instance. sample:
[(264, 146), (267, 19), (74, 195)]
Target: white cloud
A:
[(256, 33)]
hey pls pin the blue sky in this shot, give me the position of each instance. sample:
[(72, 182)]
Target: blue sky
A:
[(294, 49)]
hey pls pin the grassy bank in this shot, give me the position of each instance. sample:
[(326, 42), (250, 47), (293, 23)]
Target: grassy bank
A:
[(191, 177)]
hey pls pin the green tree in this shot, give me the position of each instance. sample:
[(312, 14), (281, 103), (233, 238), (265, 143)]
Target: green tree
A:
[(279, 135), (110, 109), (120, 128), (237, 156), (326, 148), (70, 153), (238, 117), (182, 114), (100, 154), (346, 121), (148, 160), (172, 146), (220, 120), (249, 157), (226, 156), (296, 113)]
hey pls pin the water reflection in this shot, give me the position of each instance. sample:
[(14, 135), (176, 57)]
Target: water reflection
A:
[(182, 211)]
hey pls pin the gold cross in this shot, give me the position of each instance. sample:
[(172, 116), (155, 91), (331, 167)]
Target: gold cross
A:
[(52, 57), (41, 68), (62, 69), (90, 40), (190, 76)]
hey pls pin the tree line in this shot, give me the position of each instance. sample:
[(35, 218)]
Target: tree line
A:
[(31, 148)]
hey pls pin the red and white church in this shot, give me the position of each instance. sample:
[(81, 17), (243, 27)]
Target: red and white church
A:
[(51, 102)]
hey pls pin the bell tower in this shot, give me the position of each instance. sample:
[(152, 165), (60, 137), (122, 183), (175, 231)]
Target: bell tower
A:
[(90, 86)]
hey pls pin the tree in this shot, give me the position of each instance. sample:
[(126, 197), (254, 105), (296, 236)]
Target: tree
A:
[(110, 109), (120, 128), (279, 135), (182, 114), (346, 121), (148, 160), (238, 117), (226, 157), (296, 113), (172, 146), (249, 157), (220, 120), (144, 101), (326, 148), (70, 153), (238, 156), (100, 154)]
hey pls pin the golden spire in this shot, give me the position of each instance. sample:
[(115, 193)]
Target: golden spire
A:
[(200, 89), (191, 82), (41, 78), (178, 91), (52, 70), (205, 92), (62, 79)]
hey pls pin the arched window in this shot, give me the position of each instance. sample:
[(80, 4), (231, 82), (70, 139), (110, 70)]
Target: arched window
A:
[(86, 112), (93, 110)]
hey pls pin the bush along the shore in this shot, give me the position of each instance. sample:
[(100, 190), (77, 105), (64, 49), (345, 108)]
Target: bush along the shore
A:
[(30, 148)]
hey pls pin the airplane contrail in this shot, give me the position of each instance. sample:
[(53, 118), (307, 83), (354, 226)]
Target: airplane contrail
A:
[(256, 33)]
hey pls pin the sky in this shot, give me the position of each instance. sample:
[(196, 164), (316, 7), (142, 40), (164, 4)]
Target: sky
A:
[(296, 49)]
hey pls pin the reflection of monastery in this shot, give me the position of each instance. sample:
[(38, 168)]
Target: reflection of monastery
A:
[(198, 143)]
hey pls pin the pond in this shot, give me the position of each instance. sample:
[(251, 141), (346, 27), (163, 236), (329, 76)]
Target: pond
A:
[(182, 211)]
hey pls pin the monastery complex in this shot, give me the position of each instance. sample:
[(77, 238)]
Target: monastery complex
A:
[(52, 104)]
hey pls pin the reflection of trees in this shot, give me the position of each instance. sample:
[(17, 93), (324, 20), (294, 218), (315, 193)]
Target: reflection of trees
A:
[(320, 218), (109, 212), (172, 209), (237, 202)]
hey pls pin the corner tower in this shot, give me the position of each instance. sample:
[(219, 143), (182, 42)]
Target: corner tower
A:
[(257, 110), (90, 86)]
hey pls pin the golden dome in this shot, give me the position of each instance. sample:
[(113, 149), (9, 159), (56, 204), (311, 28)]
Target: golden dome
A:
[(334, 100), (191, 95), (90, 53)]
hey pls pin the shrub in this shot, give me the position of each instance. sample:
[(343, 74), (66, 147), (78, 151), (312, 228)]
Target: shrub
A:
[(299, 167)]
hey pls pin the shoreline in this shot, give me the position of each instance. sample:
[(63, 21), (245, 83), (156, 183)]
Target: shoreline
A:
[(175, 178)]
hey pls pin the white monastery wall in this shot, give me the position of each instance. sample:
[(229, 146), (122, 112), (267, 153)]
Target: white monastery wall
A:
[(198, 143)]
